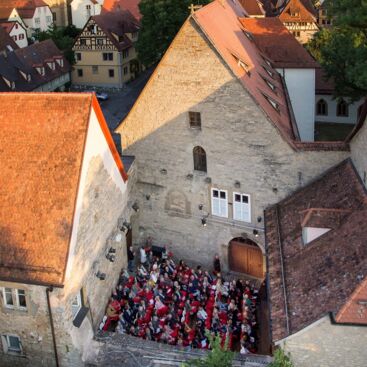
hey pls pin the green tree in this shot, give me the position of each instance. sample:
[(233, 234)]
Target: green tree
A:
[(217, 357), (342, 49), (161, 21), (281, 359), (63, 38)]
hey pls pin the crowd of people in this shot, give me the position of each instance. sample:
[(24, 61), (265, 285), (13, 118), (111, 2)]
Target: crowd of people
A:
[(172, 303)]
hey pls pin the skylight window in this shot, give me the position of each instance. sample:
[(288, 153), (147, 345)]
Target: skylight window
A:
[(248, 35), (270, 73), (274, 104)]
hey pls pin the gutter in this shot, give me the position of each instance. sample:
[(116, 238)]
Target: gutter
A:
[(282, 271), (48, 290)]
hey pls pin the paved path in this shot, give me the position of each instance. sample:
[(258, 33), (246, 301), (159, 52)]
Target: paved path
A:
[(119, 103)]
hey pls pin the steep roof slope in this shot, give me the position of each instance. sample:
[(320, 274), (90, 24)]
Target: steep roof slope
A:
[(219, 21), (6, 40), (298, 11), (118, 23), (253, 7), (322, 275), (278, 44), (131, 5), (41, 152), (25, 8)]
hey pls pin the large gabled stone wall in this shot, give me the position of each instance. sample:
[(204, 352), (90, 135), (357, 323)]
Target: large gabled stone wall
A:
[(240, 142)]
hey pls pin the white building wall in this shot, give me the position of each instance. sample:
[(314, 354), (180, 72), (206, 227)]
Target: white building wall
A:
[(301, 89), (332, 116), (18, 31), (80, 14), (44, 14), (358, 147)]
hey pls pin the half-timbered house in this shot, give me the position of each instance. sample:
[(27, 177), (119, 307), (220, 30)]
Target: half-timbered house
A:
[(104, 51)]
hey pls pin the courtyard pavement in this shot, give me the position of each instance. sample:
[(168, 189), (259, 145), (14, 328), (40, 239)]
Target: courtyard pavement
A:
[(119, 103)]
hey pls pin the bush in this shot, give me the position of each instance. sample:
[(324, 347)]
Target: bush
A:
[(281, 359)]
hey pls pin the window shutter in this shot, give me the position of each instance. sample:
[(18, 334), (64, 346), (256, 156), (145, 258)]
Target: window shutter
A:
[(215, 202), (246, 208), (237, 207)]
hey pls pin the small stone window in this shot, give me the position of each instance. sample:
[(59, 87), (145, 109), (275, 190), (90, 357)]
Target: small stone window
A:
[(199, 159), (14, 298), (80, 72), (195, 120), (12, 344), (342, 109), (111, 73), (321, 108)]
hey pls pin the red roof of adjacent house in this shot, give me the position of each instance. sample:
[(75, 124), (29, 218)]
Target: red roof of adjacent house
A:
[(131, 5), (25, 8), (253, 7), (324, 275), (298, 11), (278, 44), (41, 154)]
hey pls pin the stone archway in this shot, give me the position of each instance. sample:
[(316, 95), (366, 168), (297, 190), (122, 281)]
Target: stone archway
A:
[(245, 256)]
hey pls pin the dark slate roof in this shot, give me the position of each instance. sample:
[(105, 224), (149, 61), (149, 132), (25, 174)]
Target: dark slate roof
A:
[(23, 60), (118, 23), (319, 277)]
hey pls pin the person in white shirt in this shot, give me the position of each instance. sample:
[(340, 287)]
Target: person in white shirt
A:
[(143, 256)]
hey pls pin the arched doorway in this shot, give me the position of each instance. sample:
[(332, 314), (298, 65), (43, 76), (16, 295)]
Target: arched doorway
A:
[(245, 256)]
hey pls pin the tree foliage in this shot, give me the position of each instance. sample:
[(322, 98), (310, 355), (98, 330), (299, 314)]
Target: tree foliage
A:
[(342, 49), (161, 21), (218, 356), (63, 38), (281, 359)]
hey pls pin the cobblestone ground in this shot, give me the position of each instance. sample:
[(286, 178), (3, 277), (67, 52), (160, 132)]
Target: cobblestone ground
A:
[(128, 351)]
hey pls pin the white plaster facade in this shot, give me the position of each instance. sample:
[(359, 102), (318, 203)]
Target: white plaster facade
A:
[(41, 19), (19, 35), (301, 90), (332, 116), (82, 10), (358, 152), (57, 83)]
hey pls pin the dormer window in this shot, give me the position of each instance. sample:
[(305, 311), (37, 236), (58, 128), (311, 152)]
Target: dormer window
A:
[(10, 84), (40, 70), (312, 233), (27, 77), (269, 84), (270, 73), (60, 62), (248, 35), (51, 65)]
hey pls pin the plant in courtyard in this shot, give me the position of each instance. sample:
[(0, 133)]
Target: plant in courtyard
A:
[(281, 359), (342, 49), (161, 21), (218, 356)]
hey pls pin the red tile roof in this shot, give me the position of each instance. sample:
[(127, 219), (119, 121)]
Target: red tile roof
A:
[(253, 7), (278, 44), (131, 5), (41, 153), (304, 8), (322, 276), (25, 8), (219, 22)]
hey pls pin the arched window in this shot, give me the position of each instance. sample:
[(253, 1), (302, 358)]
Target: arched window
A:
[(342, 108), (199, 159), (321, 108)]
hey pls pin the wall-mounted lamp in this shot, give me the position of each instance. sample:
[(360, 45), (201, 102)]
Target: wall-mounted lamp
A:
[(112, 250), (201, 206), (147, 196), (127, 225), (121, 225), (101, 276), (111, 257), (275, 190), (135, 206), (190, 176), (208, 180), (259, 219), (163, 171), (255, 232), (237, 184), (203, 222)]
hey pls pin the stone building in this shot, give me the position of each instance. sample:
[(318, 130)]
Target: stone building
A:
[(216, 142), (60, 11), (104, 51), (64, 198), (317, 259)]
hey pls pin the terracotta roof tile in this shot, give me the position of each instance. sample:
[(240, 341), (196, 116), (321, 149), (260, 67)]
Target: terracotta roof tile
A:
[(25, 8), (320, 277), (131, 5), (41, 151), (304, 8), (253, 7), (278, 44)]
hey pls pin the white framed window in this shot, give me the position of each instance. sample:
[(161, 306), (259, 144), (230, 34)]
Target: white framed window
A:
[(11, 344), (241, 207), (76, 304), (14, 298), (220, 203)]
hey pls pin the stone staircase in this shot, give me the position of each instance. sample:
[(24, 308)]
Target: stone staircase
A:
[(128, 351)]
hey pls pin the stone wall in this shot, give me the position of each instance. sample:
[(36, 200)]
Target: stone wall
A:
[(359, 152), (327, 345), (241, 145)]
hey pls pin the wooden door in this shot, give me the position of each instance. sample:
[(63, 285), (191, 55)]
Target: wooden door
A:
[(246, 258)]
